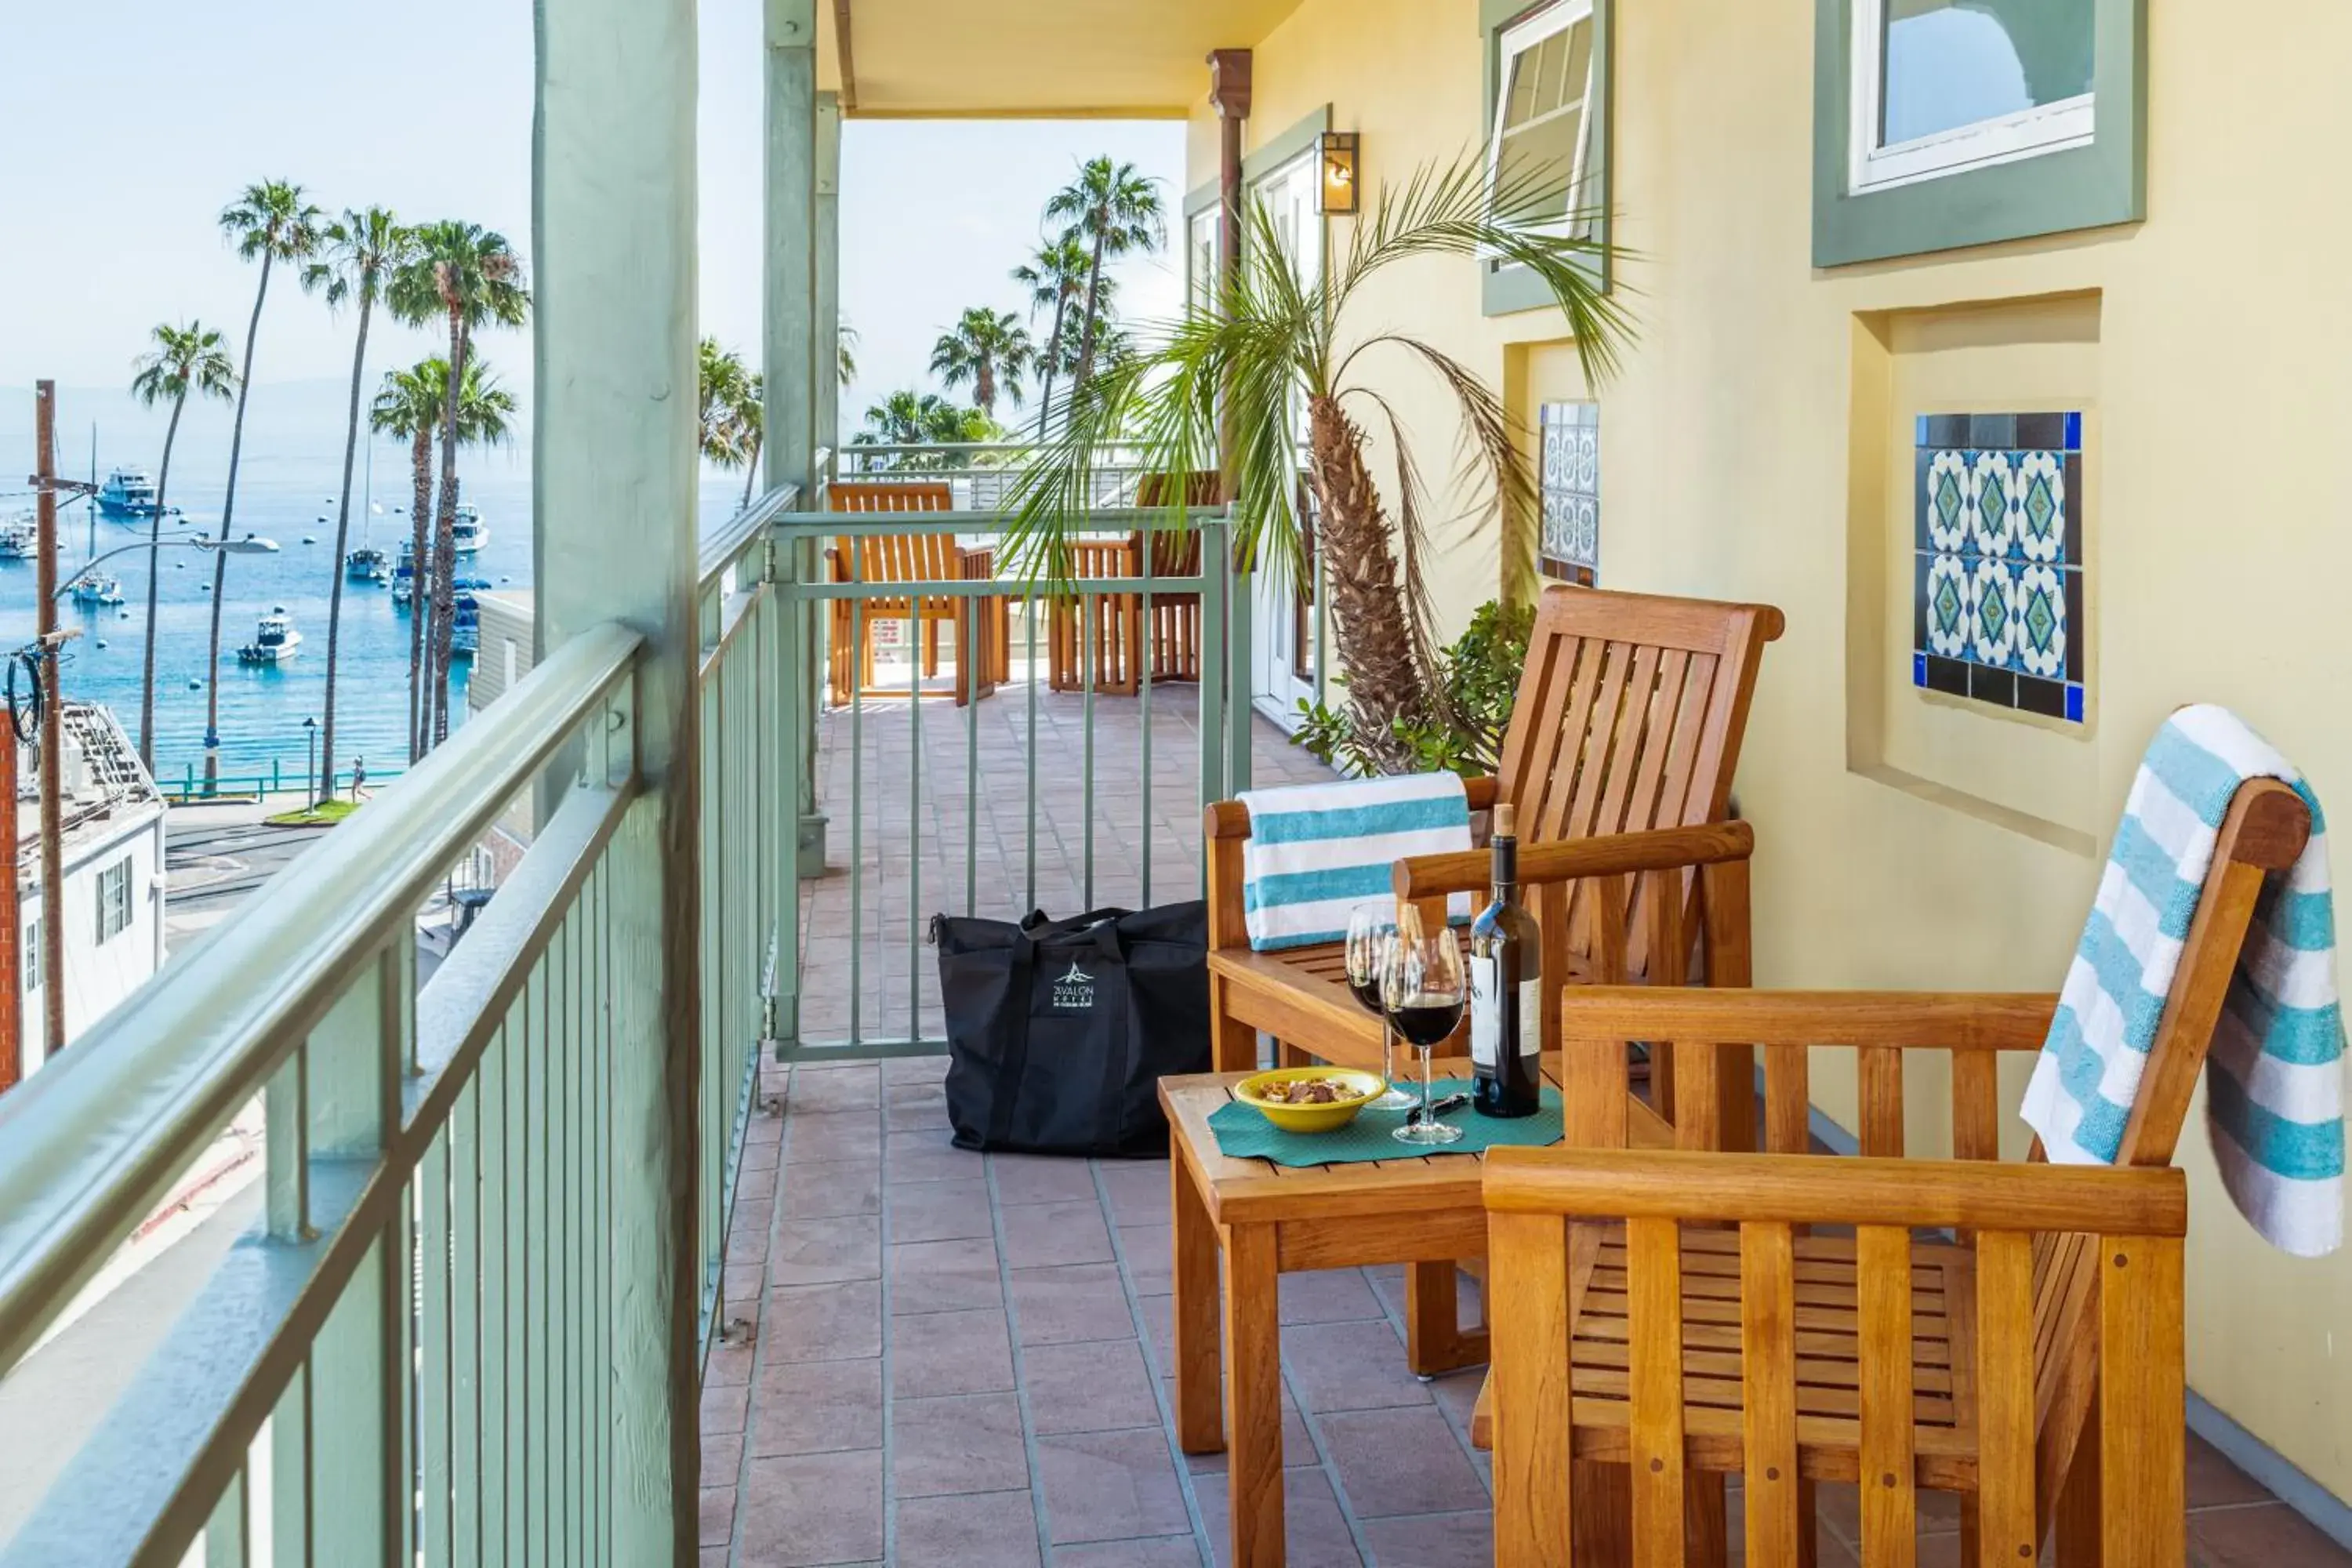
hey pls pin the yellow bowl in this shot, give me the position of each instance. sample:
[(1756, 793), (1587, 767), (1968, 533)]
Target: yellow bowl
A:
[(1365, 1086)]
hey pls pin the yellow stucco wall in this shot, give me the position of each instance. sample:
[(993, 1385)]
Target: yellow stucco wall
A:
[(1746, 454)]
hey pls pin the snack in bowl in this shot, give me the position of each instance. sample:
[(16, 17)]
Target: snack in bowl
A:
[(1310, 1100)]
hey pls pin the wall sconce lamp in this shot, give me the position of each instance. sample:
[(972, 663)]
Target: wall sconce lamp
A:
[(1342, 196)]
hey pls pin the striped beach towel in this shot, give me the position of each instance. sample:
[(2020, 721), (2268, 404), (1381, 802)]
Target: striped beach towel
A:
[(2274, 1080), (1317, 851)]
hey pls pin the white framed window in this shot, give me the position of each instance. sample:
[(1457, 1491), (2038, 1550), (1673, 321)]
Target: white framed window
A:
[(1202, 264), (1543, 130), (31, 955), (114, 899), (1940, 87)]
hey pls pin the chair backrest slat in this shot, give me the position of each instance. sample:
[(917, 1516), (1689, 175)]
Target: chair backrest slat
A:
[(1883, 1344), (2004, 1394), (1653, 1288), (1629, 716), (1777, 1522)]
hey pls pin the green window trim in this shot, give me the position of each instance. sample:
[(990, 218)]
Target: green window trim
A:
[(1292, 144), (2049, 192), (1508, 290)]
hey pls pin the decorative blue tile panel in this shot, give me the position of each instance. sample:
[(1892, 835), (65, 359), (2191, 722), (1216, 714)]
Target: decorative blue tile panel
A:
[(1996, 606), (1571, 491)]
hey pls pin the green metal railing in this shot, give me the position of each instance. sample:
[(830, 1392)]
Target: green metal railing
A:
[(419, 1350), (893, 807)]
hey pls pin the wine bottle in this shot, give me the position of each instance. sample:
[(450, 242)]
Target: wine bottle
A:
[(1505, 998)]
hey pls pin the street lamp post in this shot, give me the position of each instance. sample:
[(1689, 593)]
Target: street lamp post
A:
[(310, 768), (251, 544)]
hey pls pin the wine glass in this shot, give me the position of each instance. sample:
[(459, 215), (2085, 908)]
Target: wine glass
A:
[(1423, 988), (1370, 929)]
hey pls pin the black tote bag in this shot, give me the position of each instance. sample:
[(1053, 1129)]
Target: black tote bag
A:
[(1059, 1031)]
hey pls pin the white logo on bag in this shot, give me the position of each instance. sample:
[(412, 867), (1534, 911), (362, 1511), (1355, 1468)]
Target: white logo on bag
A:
[(1076, 989)]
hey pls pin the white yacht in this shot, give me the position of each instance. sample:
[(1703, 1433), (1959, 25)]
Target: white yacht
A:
[(367, 564), (128, 492), (275, 640), (470, 532), (19, 537), (93, 591)]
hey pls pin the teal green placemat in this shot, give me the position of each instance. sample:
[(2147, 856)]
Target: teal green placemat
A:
[(1244, 1132)]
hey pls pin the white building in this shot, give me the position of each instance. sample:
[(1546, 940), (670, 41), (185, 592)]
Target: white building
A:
[(111, 913)]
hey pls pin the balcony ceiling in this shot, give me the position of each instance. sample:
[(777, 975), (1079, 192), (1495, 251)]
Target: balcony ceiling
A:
[(1034, 59)]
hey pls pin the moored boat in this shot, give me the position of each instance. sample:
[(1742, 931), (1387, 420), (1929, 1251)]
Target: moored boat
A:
[(93, 591), (469, 532), (128, 492), (275, 640), (366, 564)]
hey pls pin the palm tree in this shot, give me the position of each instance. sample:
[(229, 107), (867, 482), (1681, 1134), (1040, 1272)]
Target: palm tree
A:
[(361, 251), (732, 418), (1117, 212), (924, 419), (413, 403), (985, 348), (271, 221), (1276, 338), (409, 406), (845, 342), (185, 360), (473, 277), (721, 379), (751, 419), (1057, 279)]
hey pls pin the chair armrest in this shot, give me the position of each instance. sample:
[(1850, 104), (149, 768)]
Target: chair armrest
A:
[(1225, 819), (1608, 854), (977, 561), (1828, 1189), (1924, 1020)]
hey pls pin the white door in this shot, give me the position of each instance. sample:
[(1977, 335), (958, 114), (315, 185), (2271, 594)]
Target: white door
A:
[(1282, 618)]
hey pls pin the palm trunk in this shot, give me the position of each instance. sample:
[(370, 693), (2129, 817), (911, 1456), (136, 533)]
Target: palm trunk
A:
[(984, 388), (751, 471), (420, 514), (1052, 360), (1092, 321), (342, 542), (445, 541), (220, 557), (1371, 611), (154, 534)]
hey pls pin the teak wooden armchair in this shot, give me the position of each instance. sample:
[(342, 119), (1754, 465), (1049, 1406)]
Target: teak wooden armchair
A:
[(1629, 719), (912, 558), (2030, 1358)]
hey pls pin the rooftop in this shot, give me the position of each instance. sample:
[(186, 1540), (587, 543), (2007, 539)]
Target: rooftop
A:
[(105, 784)]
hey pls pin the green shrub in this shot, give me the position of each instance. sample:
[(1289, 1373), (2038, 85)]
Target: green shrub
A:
[(1460, 730)]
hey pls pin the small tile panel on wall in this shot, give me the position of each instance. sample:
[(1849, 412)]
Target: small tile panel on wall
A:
[(1997, 608), (1571, 491)]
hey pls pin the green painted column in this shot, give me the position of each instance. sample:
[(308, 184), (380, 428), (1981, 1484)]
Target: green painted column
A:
[(791, 346), (826, 367), (613, 492)]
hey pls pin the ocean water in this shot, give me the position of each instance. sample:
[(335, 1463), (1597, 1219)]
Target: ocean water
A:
[(288, 488)]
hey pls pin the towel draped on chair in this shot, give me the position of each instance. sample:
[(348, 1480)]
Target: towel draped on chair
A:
[(2273, 1081), (1317, 851)]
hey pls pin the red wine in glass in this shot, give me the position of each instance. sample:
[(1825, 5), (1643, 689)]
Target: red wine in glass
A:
[(1426, 1021)]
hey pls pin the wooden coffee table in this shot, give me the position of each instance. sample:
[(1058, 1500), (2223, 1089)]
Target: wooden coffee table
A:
[(1268, 1219)]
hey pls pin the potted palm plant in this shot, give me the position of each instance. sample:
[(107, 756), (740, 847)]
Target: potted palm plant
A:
[(1284, 356)]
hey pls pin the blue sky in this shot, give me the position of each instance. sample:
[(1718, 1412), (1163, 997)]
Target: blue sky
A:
[(160, 114)]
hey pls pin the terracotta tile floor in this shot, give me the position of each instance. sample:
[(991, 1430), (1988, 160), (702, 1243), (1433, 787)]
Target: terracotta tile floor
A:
[(963, 1360), (941, 1358)]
